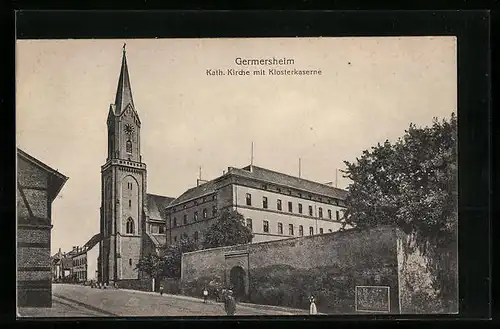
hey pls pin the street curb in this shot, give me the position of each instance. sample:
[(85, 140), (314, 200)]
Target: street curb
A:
[(87, 306), (257, 306)]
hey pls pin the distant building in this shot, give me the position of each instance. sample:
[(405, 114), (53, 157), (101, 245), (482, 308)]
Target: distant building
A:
[(57, 266), (37, 187), (275, 205), (84, 266)]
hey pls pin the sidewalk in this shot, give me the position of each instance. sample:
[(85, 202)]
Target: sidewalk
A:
[(60, 308), (289, 310)]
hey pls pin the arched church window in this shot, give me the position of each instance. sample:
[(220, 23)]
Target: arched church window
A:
[(130, 226), (129, 146)]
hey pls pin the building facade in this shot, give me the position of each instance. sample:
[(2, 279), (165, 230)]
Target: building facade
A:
[(275, 205), (134, 223), (130, 218), (37, 187), (85, 260)]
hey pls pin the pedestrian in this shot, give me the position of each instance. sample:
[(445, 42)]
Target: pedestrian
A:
[(230, 303), (312, 307), (205, 295), (161, 289)]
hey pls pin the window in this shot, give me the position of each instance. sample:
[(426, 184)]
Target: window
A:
[(329, 230), (185, 219), (162, 229), (214, 211), (311, 230), (329, 213), (280, 228), (301, 230), (130, 261), (154, 228), (195, 217), (321, 231), (130, 226), (300, 208), (249, 224), (337, 215), (249, 199), (310, 210), (265, 227), (175, 221), (320, 212), (290, 229), (278, 204), (205, 213), (129, 203), (195, 236), (290, 207), (175, 238), (129, 146), (264, 202)]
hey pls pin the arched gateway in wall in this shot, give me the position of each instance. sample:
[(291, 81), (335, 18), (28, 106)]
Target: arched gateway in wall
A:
[(237, 273)]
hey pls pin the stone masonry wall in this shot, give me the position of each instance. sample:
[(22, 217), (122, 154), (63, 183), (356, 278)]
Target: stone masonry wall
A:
[(286, 272)]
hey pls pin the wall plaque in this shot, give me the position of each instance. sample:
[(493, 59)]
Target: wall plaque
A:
[(372, 299)]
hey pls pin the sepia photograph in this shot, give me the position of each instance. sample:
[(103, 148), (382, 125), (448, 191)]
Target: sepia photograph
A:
[(236, 176)]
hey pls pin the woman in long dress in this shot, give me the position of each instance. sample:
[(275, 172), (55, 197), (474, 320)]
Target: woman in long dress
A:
[(312, 307)]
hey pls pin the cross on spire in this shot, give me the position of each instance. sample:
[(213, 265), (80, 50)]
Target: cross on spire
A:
[(124, 90)]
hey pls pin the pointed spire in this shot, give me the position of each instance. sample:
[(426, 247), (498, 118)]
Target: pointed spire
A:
[(124, 91)]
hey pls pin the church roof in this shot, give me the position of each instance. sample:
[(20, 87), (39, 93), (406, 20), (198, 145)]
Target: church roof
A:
[(124, 91), (266, 176), (156, 205), (92, 242), (159, 240)]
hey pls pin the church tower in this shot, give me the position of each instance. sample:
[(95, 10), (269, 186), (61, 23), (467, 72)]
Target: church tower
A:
[(123, 193)]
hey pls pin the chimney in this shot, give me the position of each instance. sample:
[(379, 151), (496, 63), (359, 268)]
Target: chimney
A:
[(200, 182)]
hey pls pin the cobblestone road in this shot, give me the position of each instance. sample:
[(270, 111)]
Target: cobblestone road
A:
[(86, 301)]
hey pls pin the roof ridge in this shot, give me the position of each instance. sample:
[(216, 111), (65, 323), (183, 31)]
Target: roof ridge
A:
[(295, 177)]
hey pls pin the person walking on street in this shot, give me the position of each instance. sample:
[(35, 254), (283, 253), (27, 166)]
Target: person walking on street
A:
[(161, 289), (230, 303), (205, 295), (312, 307)]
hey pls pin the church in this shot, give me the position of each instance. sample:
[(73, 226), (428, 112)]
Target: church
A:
[(134, 223)]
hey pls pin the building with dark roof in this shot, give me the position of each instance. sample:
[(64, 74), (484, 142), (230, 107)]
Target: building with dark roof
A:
[(132, 220), (275, 205), (135, 223), (84, 260), (37, 187)]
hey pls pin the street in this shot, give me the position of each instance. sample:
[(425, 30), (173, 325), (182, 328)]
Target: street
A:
[(79, 301)]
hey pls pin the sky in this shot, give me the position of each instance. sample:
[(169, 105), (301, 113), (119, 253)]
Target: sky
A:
[(370, 90)]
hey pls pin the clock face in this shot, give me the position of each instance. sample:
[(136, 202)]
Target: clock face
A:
[(129, 129)]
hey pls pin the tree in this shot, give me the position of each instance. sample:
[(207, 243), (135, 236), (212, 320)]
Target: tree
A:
[(412, 184), (173, 256), (229, 229), (152, 264)]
